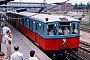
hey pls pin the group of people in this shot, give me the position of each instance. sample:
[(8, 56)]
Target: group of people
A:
[(64, 32), (7, 39), (18, 55)]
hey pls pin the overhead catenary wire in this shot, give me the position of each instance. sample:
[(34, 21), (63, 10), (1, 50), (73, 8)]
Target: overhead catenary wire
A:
[(58, 4)]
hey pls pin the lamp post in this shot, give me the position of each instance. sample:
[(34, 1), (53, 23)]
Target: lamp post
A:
[(58, 4), (0, 33), (44, 3), (20, 3)]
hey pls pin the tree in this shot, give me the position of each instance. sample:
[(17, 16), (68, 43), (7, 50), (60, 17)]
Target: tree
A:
[(76, 6), (81, 6), (88, 6)]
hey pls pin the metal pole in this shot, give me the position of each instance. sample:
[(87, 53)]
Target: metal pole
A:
[(20, 3), (0, 32), (44, 3)]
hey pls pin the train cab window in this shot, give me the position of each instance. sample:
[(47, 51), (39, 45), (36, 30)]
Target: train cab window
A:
[(51, 29), (64, 28), (75, 28)]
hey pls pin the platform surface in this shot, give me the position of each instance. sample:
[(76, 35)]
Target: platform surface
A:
[(25, 45)]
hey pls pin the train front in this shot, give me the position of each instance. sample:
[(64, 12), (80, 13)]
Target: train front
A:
[(60, 35)]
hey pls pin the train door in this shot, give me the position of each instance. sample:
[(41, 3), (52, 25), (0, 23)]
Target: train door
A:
[(36, 32)]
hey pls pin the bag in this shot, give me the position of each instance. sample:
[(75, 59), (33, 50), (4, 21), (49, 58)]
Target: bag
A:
[(9, 42)]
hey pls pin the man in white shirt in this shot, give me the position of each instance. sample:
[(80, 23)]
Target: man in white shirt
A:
[(17, 55), (5, 28), (32, 52)]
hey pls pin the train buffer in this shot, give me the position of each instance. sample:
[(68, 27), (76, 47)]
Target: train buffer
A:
[(25, 45)]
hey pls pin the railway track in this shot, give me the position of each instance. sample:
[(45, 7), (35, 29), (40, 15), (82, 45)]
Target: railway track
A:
[(85, 28), (85, 46), (84, 50), (83, 53)]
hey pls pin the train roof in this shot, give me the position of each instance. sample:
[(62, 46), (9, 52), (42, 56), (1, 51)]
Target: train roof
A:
[(42, 17)]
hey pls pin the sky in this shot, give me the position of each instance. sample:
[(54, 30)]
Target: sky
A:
[(53, 1)]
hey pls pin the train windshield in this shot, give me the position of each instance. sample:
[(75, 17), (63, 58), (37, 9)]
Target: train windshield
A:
[(58, 29), (62, 28)]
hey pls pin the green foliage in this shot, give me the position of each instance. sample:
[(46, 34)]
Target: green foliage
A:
[(49, 13), (88, 6), (81, 6)]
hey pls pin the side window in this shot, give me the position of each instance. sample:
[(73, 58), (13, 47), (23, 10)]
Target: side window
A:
[(28, 23), (31, 25), (20, 20), (37, 27), (75, 28), (42, 29), (51, 29)]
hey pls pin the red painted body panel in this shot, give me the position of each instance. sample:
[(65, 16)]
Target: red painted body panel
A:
[(54, 44), (23, 29), (31, 34), (73, 42), (0, 38), (17, 25), (13, 23)]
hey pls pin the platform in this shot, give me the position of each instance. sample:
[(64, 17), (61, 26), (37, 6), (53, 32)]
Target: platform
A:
[(25, 45)]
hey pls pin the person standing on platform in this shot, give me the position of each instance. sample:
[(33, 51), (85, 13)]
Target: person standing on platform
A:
[(4, 29), (8, 38), (2, 23), (17, 55), (2, 54), (32, 52)]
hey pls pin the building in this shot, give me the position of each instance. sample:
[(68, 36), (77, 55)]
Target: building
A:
[(31, 7), (57, 7), (66, 7)]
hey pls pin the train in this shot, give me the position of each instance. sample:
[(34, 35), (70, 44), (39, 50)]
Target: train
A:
[(37, 27)]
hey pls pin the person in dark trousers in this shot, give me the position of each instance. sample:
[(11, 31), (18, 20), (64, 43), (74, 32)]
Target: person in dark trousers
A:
[(17, 55), (8, 38)]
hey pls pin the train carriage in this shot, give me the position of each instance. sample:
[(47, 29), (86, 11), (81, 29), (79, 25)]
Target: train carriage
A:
[(38, 26)]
